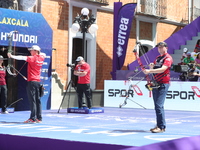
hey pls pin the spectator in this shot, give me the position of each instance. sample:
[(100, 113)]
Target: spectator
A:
[(194, 54), (197, 46), (185, 50), (188, 59)]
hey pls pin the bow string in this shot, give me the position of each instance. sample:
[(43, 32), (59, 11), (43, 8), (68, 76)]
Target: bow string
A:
[(141, 65)]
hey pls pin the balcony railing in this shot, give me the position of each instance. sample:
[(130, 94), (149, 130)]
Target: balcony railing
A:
[(18, 5), (102, 2), (153, 7), (9, 4)]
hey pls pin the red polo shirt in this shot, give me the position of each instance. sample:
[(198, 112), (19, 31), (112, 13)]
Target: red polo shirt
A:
[(161, 60), (34, 67), (81, 68), (2, 76)]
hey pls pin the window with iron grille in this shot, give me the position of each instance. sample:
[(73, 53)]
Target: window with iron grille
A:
[(24, 5), (153, 7)]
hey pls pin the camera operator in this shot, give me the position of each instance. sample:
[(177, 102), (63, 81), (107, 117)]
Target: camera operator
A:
[(197, 62), (196, 74), (82, 70), (74, 79), (197, 65)]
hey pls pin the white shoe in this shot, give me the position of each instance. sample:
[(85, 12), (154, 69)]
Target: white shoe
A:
[(4, 112)]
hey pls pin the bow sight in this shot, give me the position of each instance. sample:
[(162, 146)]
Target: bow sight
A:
[(152, 85)]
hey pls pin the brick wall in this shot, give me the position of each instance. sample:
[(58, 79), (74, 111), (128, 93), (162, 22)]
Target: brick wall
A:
[(146, 30), (104, 48), (166, 30), (56, 14), (177, 10)]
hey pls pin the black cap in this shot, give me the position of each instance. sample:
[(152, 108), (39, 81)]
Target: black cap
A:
[(162, 44)]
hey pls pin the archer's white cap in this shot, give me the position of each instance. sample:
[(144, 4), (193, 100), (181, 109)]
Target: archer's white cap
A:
[(79, 58), (35, 47)]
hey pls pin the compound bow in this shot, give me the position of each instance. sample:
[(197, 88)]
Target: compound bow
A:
[(10, 40), (150, 83)]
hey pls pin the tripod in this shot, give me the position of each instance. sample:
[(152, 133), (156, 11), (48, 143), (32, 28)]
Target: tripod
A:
[(125, 102), (127, 98), (70, 84)]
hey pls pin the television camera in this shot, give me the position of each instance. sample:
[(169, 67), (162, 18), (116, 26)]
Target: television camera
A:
[(71, 65), (186, 72)]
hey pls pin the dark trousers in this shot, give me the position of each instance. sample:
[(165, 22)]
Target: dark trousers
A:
[(3, 93), (84, 89), (33, 92)]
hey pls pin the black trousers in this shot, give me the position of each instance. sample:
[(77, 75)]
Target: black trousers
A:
[(84, 89), (3, 93), (33, 92)]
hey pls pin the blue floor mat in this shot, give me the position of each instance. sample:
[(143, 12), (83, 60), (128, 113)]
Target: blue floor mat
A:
[(120, 126)]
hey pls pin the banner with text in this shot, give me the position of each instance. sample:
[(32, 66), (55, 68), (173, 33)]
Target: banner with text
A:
[(30, 29), (180, 96), (123, 18)]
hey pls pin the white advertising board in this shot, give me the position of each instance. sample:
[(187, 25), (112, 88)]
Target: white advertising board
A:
[(180, 96)]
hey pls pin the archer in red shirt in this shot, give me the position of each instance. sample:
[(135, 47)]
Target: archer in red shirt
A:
[(161, 72), (35, 62), (3, 86)]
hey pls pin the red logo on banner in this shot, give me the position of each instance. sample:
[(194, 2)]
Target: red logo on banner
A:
[(137, 90), (196, 90)]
